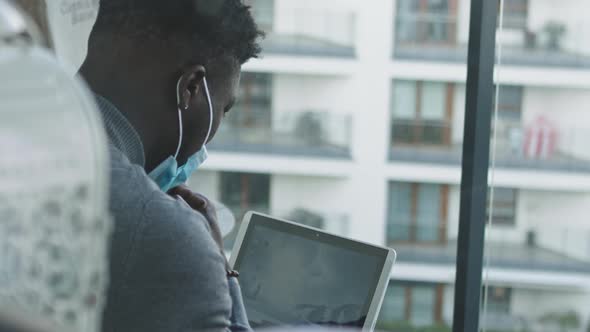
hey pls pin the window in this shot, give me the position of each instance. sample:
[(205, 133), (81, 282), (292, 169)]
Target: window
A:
[(422, 308), (421, 113), (499, 300), (426, 21), (510, 137), (510, 102), (243, 192), (393, 309), (254, 105), (515, 14), (417, 213), (413, 304), (504, 206)]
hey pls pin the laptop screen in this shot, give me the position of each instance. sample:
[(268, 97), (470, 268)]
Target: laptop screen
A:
[(293, 275)]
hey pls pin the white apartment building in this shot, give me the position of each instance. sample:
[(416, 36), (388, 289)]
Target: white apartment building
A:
[(353, 121)]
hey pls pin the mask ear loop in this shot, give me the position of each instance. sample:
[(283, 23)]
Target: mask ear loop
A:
[(210, 110), (179, 118)]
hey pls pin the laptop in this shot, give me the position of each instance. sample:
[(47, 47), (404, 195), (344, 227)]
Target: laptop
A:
[(294, 275)]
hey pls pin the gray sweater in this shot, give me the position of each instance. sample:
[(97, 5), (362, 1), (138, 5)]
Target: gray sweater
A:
[(166, 272)]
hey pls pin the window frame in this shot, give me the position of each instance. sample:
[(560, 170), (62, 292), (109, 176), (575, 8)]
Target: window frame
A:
[(481, 58)]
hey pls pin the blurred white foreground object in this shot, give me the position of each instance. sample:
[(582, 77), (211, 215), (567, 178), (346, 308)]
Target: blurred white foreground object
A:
[(54, 223), (225, 218)]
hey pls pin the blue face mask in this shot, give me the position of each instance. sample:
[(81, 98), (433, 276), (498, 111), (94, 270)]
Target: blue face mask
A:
[(168, 175)]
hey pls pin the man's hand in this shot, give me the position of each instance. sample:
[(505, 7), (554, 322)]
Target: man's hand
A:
[(201, 204)]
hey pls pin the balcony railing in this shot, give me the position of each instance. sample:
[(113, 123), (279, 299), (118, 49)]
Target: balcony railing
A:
[(308, 134), (310, 32), (535, 146), (546, 248), (571, 244), (436, 37)]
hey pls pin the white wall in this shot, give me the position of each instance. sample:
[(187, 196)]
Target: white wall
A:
[(314, 193)]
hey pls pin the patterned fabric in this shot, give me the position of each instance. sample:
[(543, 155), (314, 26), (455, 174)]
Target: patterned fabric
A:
[(54, 221), (120, 132)]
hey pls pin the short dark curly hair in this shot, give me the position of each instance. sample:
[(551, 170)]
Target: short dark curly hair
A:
[(219, 28)]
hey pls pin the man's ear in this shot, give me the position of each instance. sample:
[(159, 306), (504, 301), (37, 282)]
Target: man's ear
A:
[(189, 85)]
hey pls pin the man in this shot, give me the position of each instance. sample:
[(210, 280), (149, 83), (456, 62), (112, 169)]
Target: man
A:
[(165, 73)]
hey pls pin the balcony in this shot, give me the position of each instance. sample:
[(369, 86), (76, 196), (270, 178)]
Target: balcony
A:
[(517, 146), (555, 249), (436, 37), (297, 134), (307, 31)]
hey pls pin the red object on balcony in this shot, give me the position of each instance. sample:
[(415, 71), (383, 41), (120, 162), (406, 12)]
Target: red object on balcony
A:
[(540, 139)]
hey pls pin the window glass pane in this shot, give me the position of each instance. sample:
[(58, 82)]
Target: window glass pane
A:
[(423, 302), (404, 100), (503, 205), (393, 309), (433, 101), (400, 212), (428, 212), (538, 211), (243, 192), (349, 120)]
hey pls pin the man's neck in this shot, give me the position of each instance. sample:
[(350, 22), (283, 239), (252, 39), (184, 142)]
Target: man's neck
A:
[(129, 97)]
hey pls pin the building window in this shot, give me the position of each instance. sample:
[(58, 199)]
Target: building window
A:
[(426, 21), (499, 300), (510, 102), (254, 107), (509, 131), (515, 14), (393, 309), (414, 304), (421, 113), (504, 206), (242, 192), (417, 213)]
